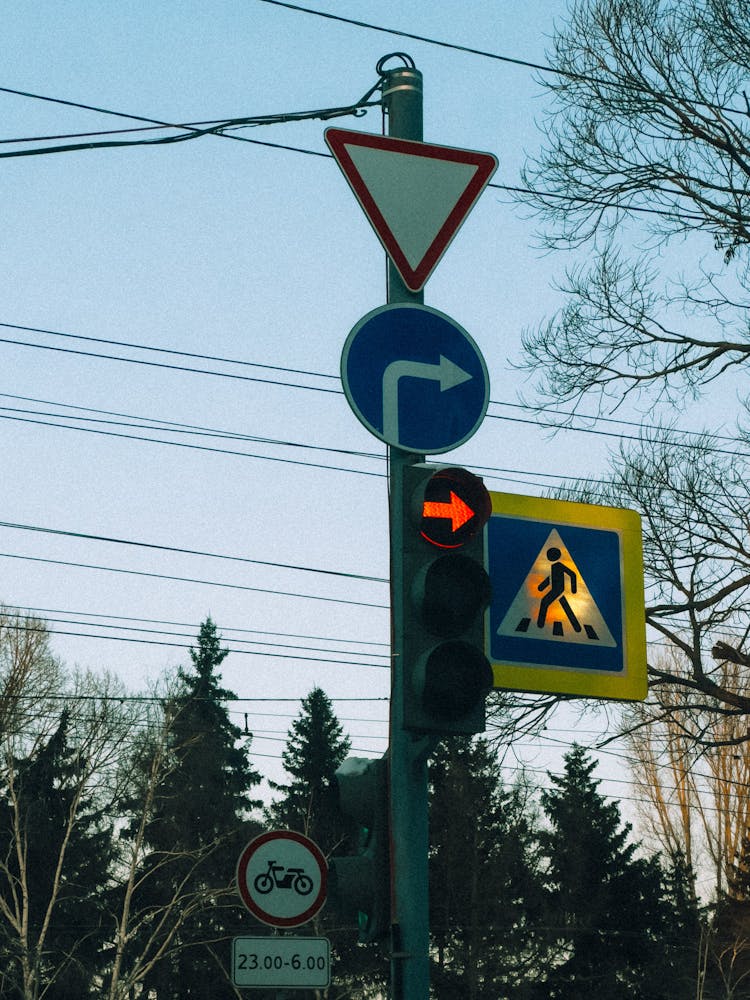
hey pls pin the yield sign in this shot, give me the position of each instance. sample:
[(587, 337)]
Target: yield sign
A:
[(415, 195)]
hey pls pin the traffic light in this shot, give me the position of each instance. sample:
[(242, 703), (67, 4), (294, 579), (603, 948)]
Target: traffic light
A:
[(444, 592), (360, 886)]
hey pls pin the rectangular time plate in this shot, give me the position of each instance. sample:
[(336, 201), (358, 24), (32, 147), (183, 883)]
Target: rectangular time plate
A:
[(285, 962)]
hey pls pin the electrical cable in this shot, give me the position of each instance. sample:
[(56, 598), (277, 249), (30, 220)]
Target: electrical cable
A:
[(173, 427), (186, 430), (510, 60), (566, 414), (516, 476), (544, 736), (191, 625), (187, 131), (170, 350), (186, 579), (193, 447), (491, 471), (191, 552), (162, 364), (159, 699), (503, 473), (545, 424), (496, 473), (512, 189), (185, 635), (181, 645)]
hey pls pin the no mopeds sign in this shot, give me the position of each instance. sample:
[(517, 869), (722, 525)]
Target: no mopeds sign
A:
[(282, 878)]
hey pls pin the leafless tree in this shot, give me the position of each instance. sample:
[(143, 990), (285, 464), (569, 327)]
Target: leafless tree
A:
[(122, 756), (694, 499), (644, 177), (141, 936), (648, 136), (35, 693), (26, 664), (696, 796)]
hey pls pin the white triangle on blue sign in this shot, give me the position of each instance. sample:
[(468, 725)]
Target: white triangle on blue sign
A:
[(554, 603)]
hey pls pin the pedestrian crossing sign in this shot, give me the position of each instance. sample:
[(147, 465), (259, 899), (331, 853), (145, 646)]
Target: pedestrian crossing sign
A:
[(567, 614)]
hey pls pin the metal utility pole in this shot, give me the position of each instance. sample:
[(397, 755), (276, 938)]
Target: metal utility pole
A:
[(416, 196), (410, 970)]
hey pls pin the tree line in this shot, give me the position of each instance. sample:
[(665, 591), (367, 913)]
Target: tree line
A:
[(121, 821)]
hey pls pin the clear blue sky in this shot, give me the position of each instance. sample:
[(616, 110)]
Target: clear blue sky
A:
[(248, 252)]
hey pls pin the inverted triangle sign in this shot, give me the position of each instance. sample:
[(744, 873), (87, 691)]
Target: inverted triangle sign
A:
[(416, 195)]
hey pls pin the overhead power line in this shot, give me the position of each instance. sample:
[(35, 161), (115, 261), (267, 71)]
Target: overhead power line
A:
[(147, 423), (528, 421), (195, 580), (186, 131), (348, 661), (297, 116), (172, 367), (525, 63), (191, 625), (192, 447), (523, 476), (566, 415), (191, 552), (172, 350), (158, 699), (517, 476), (141, 422), (287, 644), (495, 56)]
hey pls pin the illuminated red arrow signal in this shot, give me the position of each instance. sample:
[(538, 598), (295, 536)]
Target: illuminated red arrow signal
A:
[(453, 506), (458, 511)]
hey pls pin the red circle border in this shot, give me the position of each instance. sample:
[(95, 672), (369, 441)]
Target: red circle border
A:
[(244, 860)]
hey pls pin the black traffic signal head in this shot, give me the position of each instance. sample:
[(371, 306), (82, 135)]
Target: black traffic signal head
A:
[(445, 591), (359, 885)]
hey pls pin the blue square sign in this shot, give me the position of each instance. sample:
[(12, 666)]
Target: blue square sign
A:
[(567, 613)]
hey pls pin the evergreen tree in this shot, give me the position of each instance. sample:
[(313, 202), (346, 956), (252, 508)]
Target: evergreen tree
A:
[(196, 831), (728, 965), (678, 965), (315, 748), (607, 914), (56, 850), (485, 887)]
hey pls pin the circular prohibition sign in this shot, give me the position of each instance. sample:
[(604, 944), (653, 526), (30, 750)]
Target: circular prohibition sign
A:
[(282, 878)]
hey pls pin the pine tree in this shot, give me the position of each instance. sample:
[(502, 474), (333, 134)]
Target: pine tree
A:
[(485, 887), (728, 966), (607, 912), (56, 849), (315, 748), (678, 965), (199, 825)]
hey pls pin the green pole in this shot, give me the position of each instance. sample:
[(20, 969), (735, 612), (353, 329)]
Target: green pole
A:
[(410, 936)]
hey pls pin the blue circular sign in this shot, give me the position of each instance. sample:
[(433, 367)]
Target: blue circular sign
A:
[(415, 378)]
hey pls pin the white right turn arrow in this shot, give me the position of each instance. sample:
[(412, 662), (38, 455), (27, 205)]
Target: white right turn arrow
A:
[(446, 372)]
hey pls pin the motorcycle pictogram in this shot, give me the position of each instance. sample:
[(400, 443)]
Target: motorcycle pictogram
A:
[(293, 878)]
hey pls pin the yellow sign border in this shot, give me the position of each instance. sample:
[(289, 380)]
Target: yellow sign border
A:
[(629, 685)]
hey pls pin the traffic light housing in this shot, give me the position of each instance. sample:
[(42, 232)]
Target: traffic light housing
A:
[(444, 593), (359, 886)]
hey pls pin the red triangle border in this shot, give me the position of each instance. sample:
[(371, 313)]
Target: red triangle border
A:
[(485, 163)]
